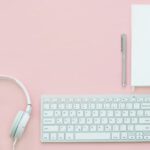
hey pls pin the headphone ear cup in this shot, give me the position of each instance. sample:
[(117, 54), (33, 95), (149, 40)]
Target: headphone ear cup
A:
[(22, 125), (15, 124)]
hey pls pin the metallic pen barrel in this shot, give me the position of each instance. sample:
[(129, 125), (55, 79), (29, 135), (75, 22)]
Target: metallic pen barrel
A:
[(124, 58)]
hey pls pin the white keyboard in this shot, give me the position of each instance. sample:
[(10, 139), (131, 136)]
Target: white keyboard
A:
[(114, 118)]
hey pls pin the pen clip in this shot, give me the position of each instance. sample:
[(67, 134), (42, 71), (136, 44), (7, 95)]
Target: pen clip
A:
[(123, 42)]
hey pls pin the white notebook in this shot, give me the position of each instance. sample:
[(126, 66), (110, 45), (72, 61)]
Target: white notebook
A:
[(140, 63)]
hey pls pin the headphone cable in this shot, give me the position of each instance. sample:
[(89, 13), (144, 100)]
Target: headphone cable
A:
[(14, 144)]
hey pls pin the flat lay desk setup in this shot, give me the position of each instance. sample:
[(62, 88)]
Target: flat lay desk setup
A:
[(83, 69)]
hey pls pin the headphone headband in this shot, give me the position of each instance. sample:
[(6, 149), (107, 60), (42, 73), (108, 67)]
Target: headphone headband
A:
[(22, 87)]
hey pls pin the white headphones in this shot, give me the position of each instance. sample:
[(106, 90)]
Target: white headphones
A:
[(22, 118)]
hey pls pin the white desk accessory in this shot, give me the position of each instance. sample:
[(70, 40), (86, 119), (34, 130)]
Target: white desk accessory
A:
[(140, 45), (103, 118), (20, 122)]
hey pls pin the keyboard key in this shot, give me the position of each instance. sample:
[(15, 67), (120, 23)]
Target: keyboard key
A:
[(50, 128), (48, 113), (81, 120), (106, 106), (114, 106), (74, 120), (140, 99), (62, 128), (90, 136), (142, 127), (95, 113), (144, 120), (104, 120), (93, 128), (126, 120), (69, 106), (132, 113), (139, 137), (57, 113), (46, 136), (61, 136), (69, 136), (65, 113), (125, 113), (115, 135), (145, 106), (118, 113), (139, 133), (99, 106), (76, 106), (121, 105), (84, 106), (77, 128), (123, 127), (72, 113), (66, 120), (134, 120), (89, 120), (91, 106), (61, 106), (129, 106), (133, 99), (102, 113), (130, 127), (147, 113), (59, 120), (115, 127), (87, 113), (96, 121), (46, 106), (85, 128), (140, 113), (108, 128), (131, 137), (110, 113), (124, 135), (80, 113), (53, 136), (147, 137), (111, 120), (100, 128), (119, 120), (53, 106), (49, 121), (70, 128), (136, 106)]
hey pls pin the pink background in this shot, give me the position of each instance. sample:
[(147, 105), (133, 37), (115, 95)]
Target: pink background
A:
[(61, 47)]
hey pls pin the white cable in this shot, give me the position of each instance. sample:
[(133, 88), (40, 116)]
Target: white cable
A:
[(14, 144), (22, 87)]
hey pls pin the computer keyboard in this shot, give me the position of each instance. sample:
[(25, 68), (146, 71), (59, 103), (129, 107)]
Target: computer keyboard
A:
[(110, 118)]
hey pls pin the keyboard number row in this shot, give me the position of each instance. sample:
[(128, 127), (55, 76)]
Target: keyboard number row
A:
[(47, 106)]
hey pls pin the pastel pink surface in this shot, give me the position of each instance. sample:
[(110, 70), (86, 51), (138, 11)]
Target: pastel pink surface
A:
[(61, 47)]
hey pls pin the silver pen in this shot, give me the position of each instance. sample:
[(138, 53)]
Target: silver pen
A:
[(124, 58)]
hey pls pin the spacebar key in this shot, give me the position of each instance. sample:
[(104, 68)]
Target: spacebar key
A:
[(92, 136)]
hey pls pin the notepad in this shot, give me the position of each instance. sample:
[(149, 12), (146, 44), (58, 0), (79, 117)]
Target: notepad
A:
[(140, 59)]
